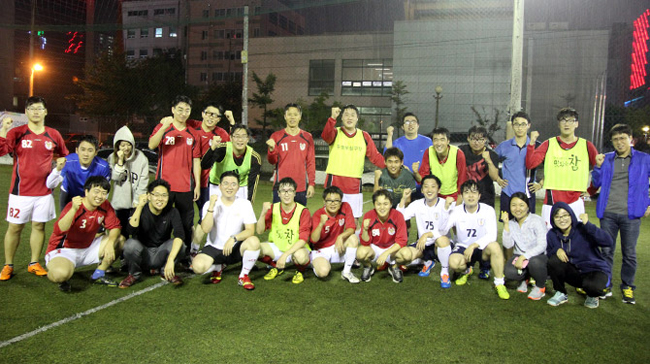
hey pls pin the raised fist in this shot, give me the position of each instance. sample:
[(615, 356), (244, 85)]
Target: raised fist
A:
[(533, 137), (415, 167), (271, 144), (167, 121), (336, 111), (266, 206), (406, 193), (390, 130), (323, 219), (366, 224), (6, 123), (213, 199), (600, 158), (60, 163), (505, 217), (143, 199), (584, 218), (76, 202), (228, 115)]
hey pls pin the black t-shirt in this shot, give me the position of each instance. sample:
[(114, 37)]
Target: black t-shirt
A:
[(477, 170), (154, 230)]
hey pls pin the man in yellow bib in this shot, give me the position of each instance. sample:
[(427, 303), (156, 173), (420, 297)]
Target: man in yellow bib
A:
[(567, 161), (290, 225), (348, 148)]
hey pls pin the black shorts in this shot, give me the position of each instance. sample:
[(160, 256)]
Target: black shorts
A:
[(477, 255), (217, 254)]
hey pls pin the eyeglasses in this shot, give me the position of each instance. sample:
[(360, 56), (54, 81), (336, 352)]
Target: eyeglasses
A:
[(568, 121), (480, 140), (212, 114), (408, 122), (562, 217), (158, 195), (620, 139), (239, 137), (333, 201), (36, 108), (286, 192), (519, 125)]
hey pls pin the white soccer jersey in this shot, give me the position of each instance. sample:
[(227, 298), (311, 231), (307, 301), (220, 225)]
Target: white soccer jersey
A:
[(479, 227), (428, 218), (228, 220)]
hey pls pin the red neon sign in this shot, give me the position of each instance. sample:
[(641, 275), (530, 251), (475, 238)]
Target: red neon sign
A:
[(639, 51)]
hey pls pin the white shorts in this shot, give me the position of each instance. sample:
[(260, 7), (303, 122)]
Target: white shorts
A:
[(578, 208), (277, 252), (379, 251), (356, 203), (242, 192), (22, 209), (330, 254), (78, 257)]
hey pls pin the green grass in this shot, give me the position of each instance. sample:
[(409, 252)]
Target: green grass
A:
[(319, 321)]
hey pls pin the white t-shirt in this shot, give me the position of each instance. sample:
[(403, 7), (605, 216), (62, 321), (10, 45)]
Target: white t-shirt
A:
[(228, 220), (479, 227), (428, 218)]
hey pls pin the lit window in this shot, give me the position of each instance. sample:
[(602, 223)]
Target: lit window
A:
[(159, 33)]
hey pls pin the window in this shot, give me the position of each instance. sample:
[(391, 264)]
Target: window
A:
[(144, 33), (217, 55), (203, 77), (144, 53), (217, 76), (130, 54), (130, 33), (226, 55), (219, 13), (168, 11), (366, 77), (157, 52), (283, 22), (273, 18), (238, 55), (321, 76), (219, 34), (204, 55), (240, 11), (257, 11), (229, 12), (158, 33), (204, 34), (206, 13), (272, 33), (292, 27), (372, 117), (172, 32), (138, 13), (256, 32)]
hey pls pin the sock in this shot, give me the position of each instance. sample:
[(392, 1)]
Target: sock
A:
[(301, 267), (248, 261), (195, 247), (30, 263), (499, 281), (350, 256), (98, 273), (10, 265), (443, 256), (267, 260)]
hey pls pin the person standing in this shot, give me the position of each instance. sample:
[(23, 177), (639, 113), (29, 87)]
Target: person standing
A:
[(33, 146), (622, 176)]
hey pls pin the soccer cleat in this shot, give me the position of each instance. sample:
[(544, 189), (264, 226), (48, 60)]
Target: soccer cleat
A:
[(464, 277), (176, 280), (7, 272), (396, 273), (591, 302), (426, 268), (628, 295), (367, 273), (128, 281), (382, 267), (274, 272), (215, 277), (297, 278), (36, 269), (246, 283), (522, 287), (103, 281), (558, 299), (607, 292), (65, 286), (484, 274), (350, 277), (537, 293), (444, 281), (502, 291)]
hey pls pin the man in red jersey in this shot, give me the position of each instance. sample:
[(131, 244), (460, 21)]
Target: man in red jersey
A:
[(566, 169), (383, 234), (179, 161), (291, 151), (333, 237), (348, 148), (33, 146), (74, 242)]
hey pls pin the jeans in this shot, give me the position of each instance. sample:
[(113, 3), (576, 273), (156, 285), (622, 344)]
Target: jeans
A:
[(629, 229)]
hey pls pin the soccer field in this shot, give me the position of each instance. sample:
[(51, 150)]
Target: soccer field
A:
[(318, 321)]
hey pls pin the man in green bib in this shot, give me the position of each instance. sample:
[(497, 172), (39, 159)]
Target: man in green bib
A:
[(290, 226)]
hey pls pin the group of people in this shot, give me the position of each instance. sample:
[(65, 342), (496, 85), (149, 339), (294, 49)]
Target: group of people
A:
[(449, 191)]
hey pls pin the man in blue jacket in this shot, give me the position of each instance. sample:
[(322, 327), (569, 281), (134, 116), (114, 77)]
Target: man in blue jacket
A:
[(622, 176)]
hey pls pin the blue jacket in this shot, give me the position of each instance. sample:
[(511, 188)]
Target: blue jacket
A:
[(637, 193), (581, 245)]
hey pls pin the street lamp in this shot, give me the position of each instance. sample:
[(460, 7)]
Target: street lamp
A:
[(645, 132), (36, 67), (437, 96)]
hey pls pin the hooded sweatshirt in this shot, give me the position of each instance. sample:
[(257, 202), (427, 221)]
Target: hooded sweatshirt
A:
[(130, 180), (582, 245)]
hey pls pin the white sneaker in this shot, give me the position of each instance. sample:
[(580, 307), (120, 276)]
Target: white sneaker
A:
[(350, 277), (523, 287)]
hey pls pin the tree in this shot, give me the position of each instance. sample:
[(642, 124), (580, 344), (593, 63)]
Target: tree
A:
[(483, 119), (397, 97), (262, 98)]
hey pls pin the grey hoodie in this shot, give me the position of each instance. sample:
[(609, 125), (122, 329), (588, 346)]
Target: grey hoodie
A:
[(131, 180)]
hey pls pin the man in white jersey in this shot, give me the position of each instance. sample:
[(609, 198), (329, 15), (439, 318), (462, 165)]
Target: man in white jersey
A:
[(431, 214), (227, 243), (476, 230)]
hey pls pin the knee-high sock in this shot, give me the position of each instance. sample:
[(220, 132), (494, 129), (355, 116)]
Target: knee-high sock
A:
[(350, 256), (248, 261), (443, 256)]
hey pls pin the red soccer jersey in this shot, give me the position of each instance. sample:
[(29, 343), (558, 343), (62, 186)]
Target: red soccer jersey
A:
[(175, 157), (86, 224), (305, 221), (385, 234), (294, 157), (334, 226), (33, 154), (205, 140)]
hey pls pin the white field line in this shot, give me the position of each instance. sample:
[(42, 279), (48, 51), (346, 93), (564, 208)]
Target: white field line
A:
[(79, 315)]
